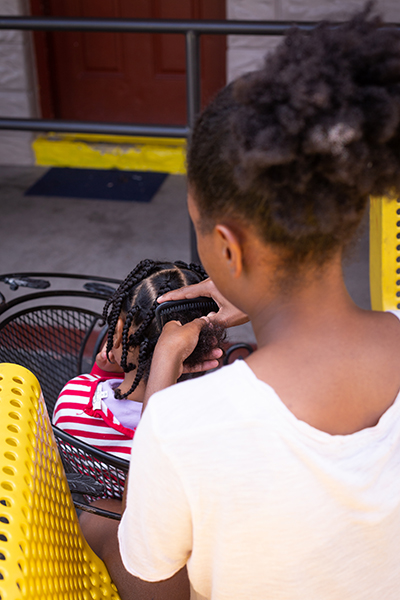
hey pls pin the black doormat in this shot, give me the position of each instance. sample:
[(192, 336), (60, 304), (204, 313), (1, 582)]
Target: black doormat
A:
[(112, 184)]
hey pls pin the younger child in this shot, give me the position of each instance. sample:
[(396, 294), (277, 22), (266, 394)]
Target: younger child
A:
[(103, 407)]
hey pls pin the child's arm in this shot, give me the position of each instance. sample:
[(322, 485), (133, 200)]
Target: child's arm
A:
[(101, 534), (174, 345), (228, 315)]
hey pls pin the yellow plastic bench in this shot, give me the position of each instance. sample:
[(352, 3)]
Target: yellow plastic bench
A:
[(384, 257), (43, 554)]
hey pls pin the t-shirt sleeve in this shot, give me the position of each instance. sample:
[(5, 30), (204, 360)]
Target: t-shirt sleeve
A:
[(155, 533)]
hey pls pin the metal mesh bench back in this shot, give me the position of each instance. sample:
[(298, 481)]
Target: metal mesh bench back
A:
[(106, 469), (51, 341)]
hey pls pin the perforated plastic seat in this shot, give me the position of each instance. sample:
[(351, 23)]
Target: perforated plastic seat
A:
[(43, 554), (385, 253)]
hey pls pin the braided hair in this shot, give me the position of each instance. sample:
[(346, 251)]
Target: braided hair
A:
[(136, 300)]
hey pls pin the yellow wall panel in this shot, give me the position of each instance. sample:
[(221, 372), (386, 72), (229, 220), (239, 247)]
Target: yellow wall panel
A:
[(385, 253)]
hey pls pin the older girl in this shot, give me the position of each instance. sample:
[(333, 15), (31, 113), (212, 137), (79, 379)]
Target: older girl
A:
[(278, 477)]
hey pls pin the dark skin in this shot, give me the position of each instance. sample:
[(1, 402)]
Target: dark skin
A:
[(334, 365), (344, 361), (102, 536), (344, 366)]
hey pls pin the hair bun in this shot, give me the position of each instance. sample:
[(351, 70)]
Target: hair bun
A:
[(297, 147)]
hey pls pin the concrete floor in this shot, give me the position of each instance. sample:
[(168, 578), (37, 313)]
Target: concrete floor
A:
[(99, 237), (96, 237)]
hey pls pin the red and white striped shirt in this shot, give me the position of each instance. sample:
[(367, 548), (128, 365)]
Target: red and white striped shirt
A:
[(81, 411)]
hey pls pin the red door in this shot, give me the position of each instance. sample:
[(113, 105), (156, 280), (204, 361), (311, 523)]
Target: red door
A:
[(123, 76)]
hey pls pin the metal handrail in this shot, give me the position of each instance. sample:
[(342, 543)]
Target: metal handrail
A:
[(64, 126), (192, 31), (227, 27), (152, 25)]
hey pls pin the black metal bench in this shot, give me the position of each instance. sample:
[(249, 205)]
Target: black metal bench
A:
[(52, 326)]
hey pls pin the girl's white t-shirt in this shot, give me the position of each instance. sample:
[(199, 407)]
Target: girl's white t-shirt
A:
[(258, 504)]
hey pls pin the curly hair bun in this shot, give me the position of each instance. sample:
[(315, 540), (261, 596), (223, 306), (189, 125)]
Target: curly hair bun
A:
[(305, 140)]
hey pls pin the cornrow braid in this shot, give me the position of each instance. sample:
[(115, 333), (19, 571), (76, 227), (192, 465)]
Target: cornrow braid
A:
[(112, 323), (143, 366), (138, 273), (119, 297), (198, 269), (127, 339), (137, 337)]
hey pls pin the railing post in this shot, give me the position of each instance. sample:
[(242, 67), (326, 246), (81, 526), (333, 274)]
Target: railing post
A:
[(192, 76), (193, 103)]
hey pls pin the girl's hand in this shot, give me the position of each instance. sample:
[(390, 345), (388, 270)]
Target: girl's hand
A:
[(228, 315), (178, 341), (174, 345), (211, 362)]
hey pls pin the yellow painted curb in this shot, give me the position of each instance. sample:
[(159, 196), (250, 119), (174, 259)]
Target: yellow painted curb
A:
[(165, 155)]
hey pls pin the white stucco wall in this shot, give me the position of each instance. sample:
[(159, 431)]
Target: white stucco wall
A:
[(245, 53), (17, 86)]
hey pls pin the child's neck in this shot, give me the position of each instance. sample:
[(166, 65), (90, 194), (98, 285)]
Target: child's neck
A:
[(322, 297), (138, 394)]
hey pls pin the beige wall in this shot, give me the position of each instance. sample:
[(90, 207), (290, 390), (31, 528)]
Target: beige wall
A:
[(245, 52), (17, 86)]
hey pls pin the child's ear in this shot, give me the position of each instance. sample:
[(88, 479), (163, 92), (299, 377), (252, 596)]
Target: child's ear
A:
[(118, 333), (230, 249)]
